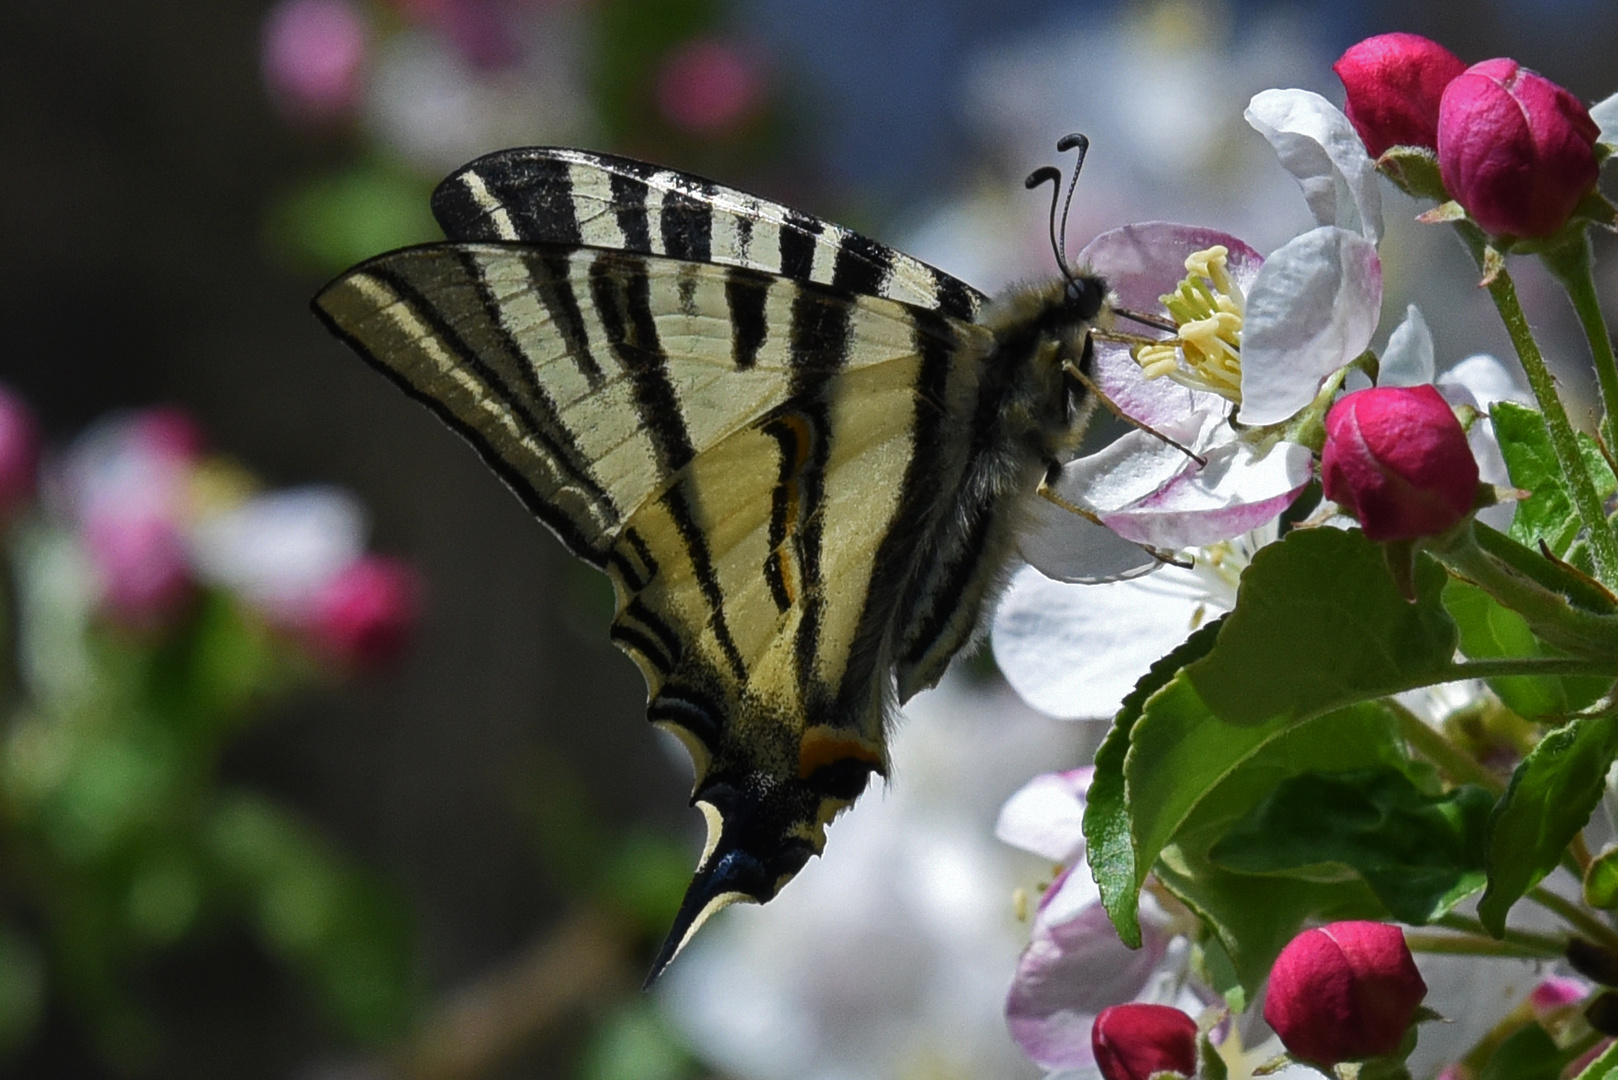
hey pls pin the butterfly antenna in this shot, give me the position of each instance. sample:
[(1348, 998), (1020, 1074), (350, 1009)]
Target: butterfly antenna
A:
[(1077, 142), (1054, 175)]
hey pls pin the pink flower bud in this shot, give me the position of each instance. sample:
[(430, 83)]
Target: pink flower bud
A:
[(363, 616), (1397, 460), (1344, 992), (1516, 150), (707, 87), (1131, 1042), (19, 453), (1394, 83), (143, 568), (314, 58)]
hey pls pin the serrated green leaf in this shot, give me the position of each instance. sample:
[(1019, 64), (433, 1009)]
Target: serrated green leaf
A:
[(1601, 881), (1547, 514), (1108, 840), (1253, 915), (1420, 853), (1604, 1065), (1490, 631), (1318, 624), (1548, 802)]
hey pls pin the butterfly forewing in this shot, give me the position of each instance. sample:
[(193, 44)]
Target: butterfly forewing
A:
[(556, 195)]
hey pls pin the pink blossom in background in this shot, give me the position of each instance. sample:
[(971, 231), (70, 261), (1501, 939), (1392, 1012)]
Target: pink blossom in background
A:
[(314, 56), (144, 571), (708, 86), (19, 453), (362, 617)]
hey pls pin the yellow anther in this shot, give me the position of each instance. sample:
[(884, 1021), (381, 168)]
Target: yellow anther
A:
[(1207, 307)]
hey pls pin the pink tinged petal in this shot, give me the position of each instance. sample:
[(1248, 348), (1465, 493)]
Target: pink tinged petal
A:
[(1074, 651), (1062, 545), (1408, 359), (280, 550), (1238, 490), (1605, 114), (1069, 973), (142, 568), (1312, 310), (1046, 815), (1318, 145), (1142, 262), (1162, 404)]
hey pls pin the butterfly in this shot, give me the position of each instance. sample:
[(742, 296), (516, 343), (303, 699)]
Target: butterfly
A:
[(801, 457)]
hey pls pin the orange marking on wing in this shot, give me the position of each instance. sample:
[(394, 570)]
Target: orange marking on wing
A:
[(823, 746)]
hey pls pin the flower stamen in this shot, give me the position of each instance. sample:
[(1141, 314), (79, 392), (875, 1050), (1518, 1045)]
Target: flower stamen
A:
[(1207, 306)]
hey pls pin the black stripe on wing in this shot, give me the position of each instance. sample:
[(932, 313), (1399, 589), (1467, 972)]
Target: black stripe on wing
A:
[(554, 438), (531, 195)]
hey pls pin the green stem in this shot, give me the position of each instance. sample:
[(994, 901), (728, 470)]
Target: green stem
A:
[(1550, 613), (1581, 489), (1575, 269), (1576, 916), (1431, 744), (1473, 940)]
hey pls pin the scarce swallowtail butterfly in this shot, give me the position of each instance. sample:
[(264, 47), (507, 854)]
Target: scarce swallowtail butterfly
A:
[(800, 456)]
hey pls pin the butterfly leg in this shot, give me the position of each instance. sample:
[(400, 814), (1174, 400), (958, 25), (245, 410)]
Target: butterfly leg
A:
[(1113, 407), (1162, 555)]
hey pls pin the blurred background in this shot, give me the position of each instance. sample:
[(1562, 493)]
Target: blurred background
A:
[(315, 760)]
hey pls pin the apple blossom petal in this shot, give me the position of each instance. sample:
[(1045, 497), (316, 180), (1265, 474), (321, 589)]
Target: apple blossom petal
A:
[(1486, 379), (281, 548), (1046, 815), (1069, 972), (1318, 145), (1605, 114), (1238, 490), (1074, 651), (1066, 547), (1138, 464), (1312, 310), (1155, 403), (1141, 262), (1408, 359)]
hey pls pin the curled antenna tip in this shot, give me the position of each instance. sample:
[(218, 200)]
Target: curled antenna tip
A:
[(1068, 142), (1041, 175)]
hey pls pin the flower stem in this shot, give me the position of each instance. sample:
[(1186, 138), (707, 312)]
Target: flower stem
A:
[(1575, 916), (1581, 490), (1431, 744), (1549, 612), (1574, 268), (1473, 940)]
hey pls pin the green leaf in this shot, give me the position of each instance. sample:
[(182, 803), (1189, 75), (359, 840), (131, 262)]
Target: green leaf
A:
[(1528, 1053), (1547, 514), (1420, 853), (1252, 915), (1319, 623), (1489, 631), (1548, 802), (1605, 1065), (1107, 830), (1601, 881)]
